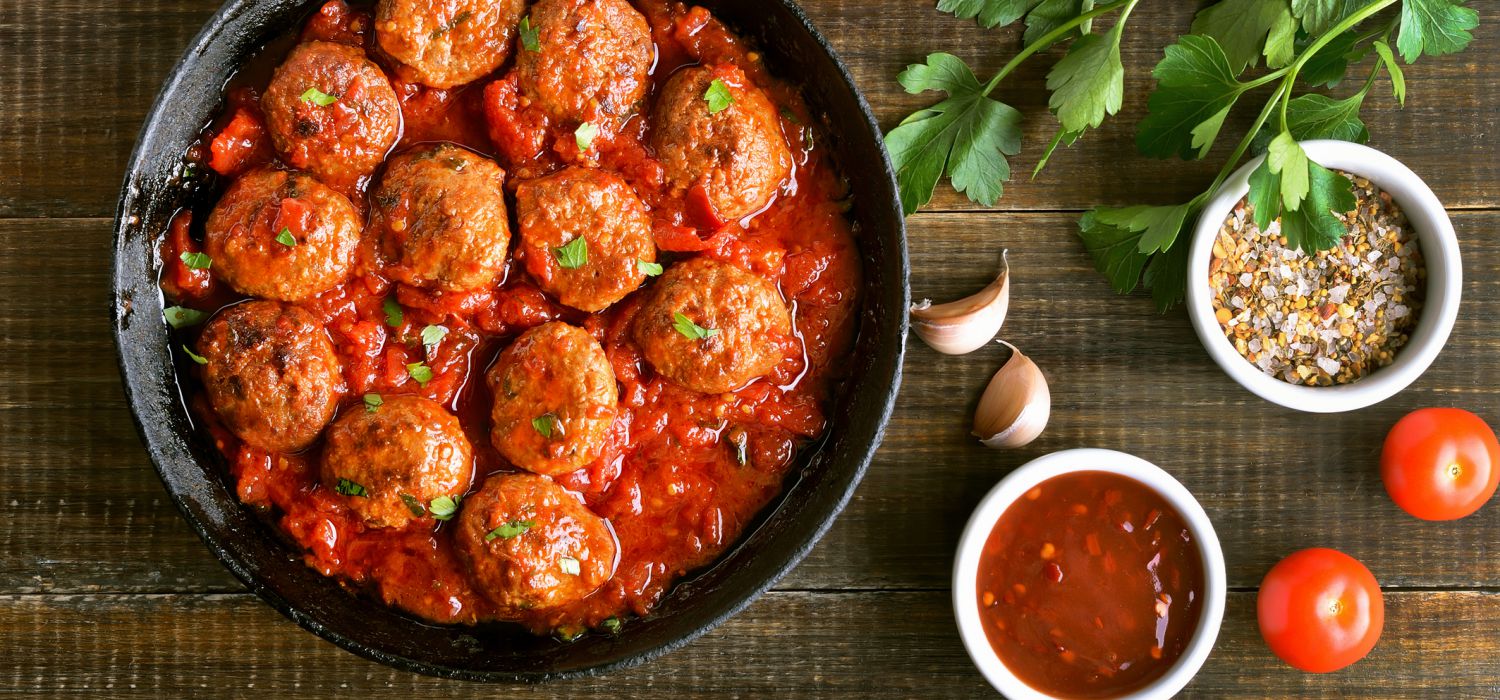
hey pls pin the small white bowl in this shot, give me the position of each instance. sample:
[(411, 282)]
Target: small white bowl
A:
[(1428, 220), (982, 523)]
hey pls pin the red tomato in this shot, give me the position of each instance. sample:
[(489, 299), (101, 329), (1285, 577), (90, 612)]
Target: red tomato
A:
[(1440, 463), (1320, 610)]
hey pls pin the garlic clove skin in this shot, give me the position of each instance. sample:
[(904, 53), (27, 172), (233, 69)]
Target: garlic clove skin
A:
[(1015, 406), (963, 326)]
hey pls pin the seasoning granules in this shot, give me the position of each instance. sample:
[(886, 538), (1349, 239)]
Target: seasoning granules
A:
[(1326, 318)]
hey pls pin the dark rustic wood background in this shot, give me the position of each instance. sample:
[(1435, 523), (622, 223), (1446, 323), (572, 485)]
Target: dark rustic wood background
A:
[(104, 590)]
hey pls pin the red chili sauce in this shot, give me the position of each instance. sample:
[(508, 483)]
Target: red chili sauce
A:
[(683, 473), (1090, 586)]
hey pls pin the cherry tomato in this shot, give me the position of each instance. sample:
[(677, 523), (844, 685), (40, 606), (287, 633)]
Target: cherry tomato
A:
[(1440, 463), (1320, 610)]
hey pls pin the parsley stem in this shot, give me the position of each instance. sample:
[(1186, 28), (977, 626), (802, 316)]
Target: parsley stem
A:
[(1332, 33), (1239, 150), (1051, 37)]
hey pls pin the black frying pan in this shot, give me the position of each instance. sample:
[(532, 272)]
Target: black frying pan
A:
[(815, 491)]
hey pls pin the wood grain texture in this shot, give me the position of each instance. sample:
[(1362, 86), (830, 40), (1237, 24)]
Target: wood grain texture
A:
[(105, 591), (798, 644)]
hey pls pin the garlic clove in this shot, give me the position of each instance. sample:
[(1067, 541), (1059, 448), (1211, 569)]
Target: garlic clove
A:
[(1015, 406), (963, 326)]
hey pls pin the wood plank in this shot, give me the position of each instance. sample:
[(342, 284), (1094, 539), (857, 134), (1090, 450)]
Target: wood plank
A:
[(76, 482), (872, 645), (63, 160)]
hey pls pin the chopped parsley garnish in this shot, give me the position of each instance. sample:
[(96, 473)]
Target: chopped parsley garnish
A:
[(690, 330), (195, 357), (569, 566), (420, 372), (509, 530), (546, 424), (182, 316), (285, 238), (649, 269), (318, 97), (610, 625), (444, 507), (584, 135), (413, 504), (718, 97), (197, 261), (349, 488), (573, 255), (393, 315), (433, 334), (529, 38), (373, 402)]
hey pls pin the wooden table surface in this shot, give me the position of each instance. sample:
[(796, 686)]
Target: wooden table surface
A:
[(104, 589)]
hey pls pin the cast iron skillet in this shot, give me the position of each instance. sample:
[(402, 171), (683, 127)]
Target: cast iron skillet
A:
[(815, 491)]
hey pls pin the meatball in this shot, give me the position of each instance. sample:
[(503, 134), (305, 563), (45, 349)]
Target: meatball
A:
[(391, 461), (271, 374), (282, 236), (443, 43), (555, 398), (332, 112), (592, 62), (531, 545), (439, 216), (737, 155), (712, 327), (605, 212)]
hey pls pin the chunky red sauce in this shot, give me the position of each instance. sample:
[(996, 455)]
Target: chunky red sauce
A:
[(683, 473), (1090, 586)]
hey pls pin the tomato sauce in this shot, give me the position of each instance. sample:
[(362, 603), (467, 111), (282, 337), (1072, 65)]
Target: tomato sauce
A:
[(683, 473), (1090, 586)]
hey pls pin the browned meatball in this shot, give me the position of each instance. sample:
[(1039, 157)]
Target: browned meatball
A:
[(555, 398), (332, 112), (393, 460), (282, 236), (605, 212), (439, 216), (737, 155), (712, 327), (592, 60), (531, 545), (272, 374), (444, 43)]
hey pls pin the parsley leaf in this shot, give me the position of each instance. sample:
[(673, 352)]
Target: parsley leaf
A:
[(718, 96), (1116, 250), (545, 425), (373, 402), (1434, 28), (1051, 14), (414, 505), (444, 507), (569, 565), (183, 317), (647, 268), (1392, 66), (285, 238), (393, 316), (420, 372), (1119, 238), (433, 334), (346, 487), (690, 330), (1089, 82), (514, 528), (1166, 275), (196, 261), (584, 135), (529, 39), (1309, 223), (1286, 160), (1328, 66), (318, 97), (1248, 29), (989, 13), (1195, 89), (1318, 16), (1158, 225), (195, 357), (966, 136), (573, 255), (1315, 116)]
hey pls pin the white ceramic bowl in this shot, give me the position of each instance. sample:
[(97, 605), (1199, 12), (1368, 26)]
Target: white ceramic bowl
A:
[(994, 503), (1433, 229)]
